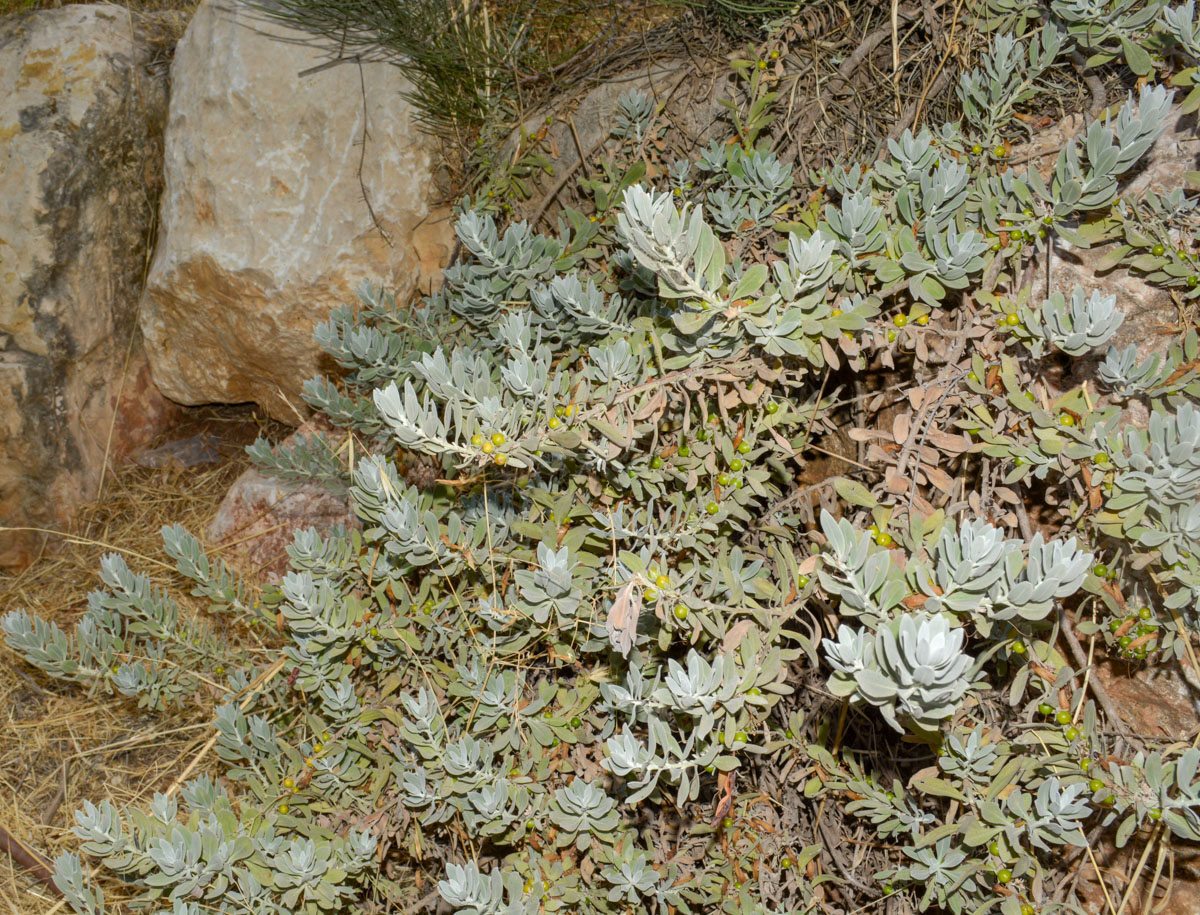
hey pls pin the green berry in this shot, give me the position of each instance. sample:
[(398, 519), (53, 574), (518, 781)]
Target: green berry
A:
[(999, 152), (923, 320), (772, 408), (1066, 420), (891, 335), (219, 669), (662, 581), (554, 422), (656, 462), (1100, 458), (1158, 250), (1192, 281), (900, 320), (972, 376), (289, 783), (1114, 625), (374, 633), (884, 539), (703, 435), (1062, 716), (801, 581), (476, 439), (1125, 641), (712, 508), (994, 849), (1027, 909), (684, 451), (1016, 235), (1072, 734), (1101, 571), (1095, 785), (724, 479), (743, 448), (498, 439), (1012, 320), (736, 464), (1004, 876), (788, 734), (785, 862), (1145, 613), (1045, 709), (283, 808), (1018, 647), (976, 149), (681, 612), (576, 722), (741, 737), (1155, 814)]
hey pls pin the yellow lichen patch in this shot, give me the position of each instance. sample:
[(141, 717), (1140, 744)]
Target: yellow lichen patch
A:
[(84, 54), (34, 69)]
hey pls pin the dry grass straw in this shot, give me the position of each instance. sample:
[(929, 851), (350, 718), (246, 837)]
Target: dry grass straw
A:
[(63, 746)]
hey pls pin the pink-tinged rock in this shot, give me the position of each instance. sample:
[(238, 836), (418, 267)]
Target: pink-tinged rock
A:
[(79, 116), (260, 515), (264, 226)]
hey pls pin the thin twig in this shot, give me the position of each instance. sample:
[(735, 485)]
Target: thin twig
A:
[(362, 156), (1101, 694), (28, 858)]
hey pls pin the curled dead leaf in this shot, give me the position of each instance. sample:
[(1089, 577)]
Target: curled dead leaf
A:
[(623, 615)]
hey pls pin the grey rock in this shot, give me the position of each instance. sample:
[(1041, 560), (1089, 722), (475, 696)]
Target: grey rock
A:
[(79, 158)]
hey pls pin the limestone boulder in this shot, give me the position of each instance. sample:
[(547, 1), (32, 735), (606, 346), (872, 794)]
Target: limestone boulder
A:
[(285, 191), (80, 117)]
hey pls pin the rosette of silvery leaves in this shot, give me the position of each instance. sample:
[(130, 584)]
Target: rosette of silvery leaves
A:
[(1078, 325), (912, 667)]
